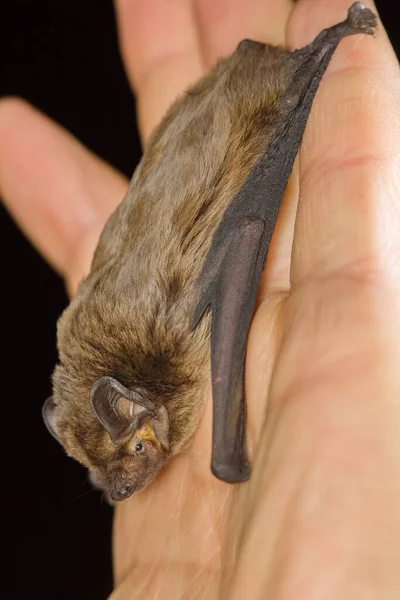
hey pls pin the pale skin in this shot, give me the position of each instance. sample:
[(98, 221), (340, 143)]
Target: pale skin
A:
[(320, 518)]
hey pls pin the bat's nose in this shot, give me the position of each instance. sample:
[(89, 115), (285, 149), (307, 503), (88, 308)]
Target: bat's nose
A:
[(121, 493)]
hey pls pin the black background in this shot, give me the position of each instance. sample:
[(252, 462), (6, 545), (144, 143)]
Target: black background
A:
[(63, 57)]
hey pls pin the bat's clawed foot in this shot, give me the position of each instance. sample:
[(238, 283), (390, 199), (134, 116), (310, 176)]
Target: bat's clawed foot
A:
[(361, 19)]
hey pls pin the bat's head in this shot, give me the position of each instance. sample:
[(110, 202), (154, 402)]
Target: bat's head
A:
[(119, 435), (127, 389)]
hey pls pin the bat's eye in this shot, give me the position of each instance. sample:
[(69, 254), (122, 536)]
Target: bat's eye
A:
[(139, 447)]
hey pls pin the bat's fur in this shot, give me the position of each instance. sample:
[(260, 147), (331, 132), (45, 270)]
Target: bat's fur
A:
[(130, 318)]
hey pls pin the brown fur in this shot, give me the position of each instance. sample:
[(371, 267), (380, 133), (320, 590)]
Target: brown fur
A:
[(130, 318)]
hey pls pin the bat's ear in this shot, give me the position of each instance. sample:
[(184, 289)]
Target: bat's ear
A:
[(49, 417), (118, 409), (161, 427)]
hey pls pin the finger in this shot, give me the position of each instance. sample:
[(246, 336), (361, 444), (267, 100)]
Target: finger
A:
[(348, 217), (58, 192), (222, 25), (161, 54)]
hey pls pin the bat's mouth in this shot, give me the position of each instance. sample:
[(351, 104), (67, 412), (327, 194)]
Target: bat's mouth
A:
[(116, 494)]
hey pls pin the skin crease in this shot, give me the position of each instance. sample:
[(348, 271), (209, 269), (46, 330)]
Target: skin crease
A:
[(323, 500)]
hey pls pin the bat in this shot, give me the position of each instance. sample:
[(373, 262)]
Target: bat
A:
[(178, 266)]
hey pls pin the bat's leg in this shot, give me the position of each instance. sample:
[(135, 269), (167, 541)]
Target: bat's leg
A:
[(359, 20), (313, 59), (232, 295)]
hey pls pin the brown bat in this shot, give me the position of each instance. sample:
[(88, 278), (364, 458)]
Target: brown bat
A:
[(192, 232)]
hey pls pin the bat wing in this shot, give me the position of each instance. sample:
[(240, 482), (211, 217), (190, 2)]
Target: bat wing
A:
[(231, 292), (232, 270)]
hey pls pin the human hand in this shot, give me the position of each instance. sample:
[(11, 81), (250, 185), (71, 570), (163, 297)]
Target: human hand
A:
[(319, 516)]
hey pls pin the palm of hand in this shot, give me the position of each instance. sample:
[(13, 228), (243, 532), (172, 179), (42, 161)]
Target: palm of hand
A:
[(326, 297)]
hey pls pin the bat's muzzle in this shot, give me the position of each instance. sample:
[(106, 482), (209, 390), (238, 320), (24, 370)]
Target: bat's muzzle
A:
[(122, 493)]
